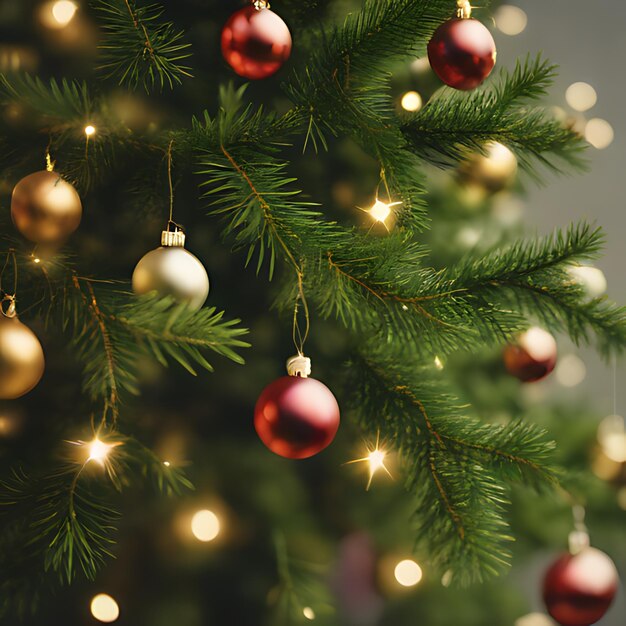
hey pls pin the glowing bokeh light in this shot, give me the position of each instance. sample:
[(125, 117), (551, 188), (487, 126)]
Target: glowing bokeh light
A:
[(612, 438), (90, 130), (408, 573), (590, 278), (205, 525), (599, 133), (411, 101), (534, 619), (308, 612), (510, 20), (581, 96), (63, 11), (570, 370), (104, 608)]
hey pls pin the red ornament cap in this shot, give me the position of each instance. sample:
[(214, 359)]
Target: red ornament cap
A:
[(296, 417), (578, 589), (533, 357), (256, 42), (462, 53)]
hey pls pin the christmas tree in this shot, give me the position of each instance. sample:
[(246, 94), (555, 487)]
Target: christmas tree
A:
[(158, 463)]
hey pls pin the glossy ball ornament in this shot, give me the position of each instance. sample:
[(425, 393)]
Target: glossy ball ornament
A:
[(296, 417), (256, 42), (170, 270), (462, 53), (579, 589), (45, 208), (532, 357), (22, 360)]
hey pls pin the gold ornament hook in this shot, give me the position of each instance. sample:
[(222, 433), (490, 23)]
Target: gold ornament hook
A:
[(7, 307), (9, 297), (578, 539), (464, 9), (261, 4)]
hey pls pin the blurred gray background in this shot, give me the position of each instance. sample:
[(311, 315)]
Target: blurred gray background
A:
[(587, 40)]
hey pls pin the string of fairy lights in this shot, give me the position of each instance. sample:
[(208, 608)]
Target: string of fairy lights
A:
[(206, 525)]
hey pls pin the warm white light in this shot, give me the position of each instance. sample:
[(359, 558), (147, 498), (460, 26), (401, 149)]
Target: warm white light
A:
[(590, 278), (468, 237), (534, 619), (375, 460), (36, 260), (104, 608), (99, 451), (570, 370), (205, 526), (408, 573), (421, 65), (599, 133), (510, 20), (612, 438), (411, 101), (90, 130), (380, 211), (64, 11), (308, 612), (166, 463), (581, 96), (502, 161), (438, 363)]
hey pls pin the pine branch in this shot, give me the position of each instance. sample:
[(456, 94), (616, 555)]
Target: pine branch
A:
[(70, 525), (140, 49), (111, 329), (62, 110), (72, 528), (343, 90), (68, 100), (301, 587), (454, 465), (452, 126)]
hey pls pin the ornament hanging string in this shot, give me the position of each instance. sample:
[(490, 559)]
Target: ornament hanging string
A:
[(49, 162), (7, 302), (300, 337), (170, 221), (614, 384)]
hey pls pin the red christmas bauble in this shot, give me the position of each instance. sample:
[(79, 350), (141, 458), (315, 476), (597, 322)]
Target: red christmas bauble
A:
[(296, 417), (578, 589), (256, 42), (462, 53), (533, 357)]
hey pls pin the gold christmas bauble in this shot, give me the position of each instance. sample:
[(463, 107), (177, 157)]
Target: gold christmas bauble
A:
[(45, 208), (172, 271), (21, 358)]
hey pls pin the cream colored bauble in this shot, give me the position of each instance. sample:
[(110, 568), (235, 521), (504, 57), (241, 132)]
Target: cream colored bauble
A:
[(172, 271), (21, 358), (45, 208)]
